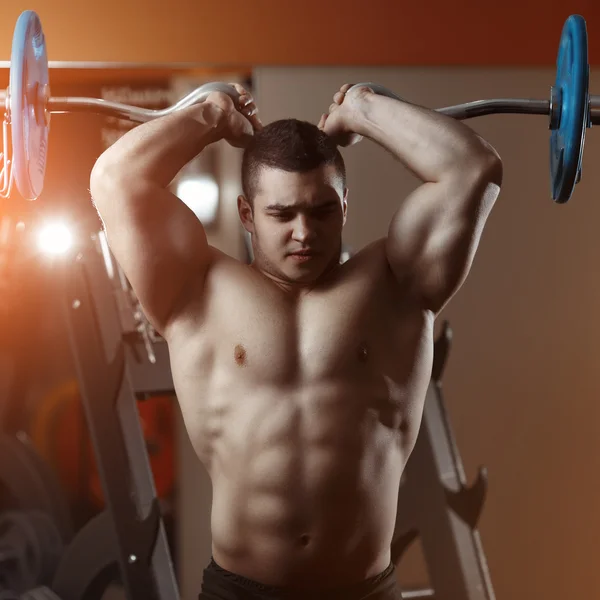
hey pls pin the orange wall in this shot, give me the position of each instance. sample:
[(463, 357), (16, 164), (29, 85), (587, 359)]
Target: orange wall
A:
[(305, 32)]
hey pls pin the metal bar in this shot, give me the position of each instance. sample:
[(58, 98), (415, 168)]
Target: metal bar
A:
[(133, 113), (170, 67), (447, 541), (113, 421), (453, 552), (147, 378), (468, 110), (594, 104), (414, 594), (479, 108)]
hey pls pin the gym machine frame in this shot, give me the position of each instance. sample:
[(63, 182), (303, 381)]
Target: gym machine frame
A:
[(130, 529), (436, 504)]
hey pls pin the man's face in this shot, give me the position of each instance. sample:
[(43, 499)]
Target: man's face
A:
[(296, 223)]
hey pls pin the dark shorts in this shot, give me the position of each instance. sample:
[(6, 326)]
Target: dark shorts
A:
[(220, 584)]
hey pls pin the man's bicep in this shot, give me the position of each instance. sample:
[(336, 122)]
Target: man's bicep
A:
[(434, 235), (160, 245)]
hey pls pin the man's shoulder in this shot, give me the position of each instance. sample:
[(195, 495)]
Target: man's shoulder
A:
[(370, 269), (370, 260), (365, 270)]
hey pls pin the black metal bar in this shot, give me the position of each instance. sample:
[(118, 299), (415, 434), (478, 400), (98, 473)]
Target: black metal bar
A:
[(111, 411), (433, 487), (498, 106), (78, 577), (147, 378)]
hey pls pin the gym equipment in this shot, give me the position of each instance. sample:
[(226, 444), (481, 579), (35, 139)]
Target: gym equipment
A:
[(571, 109), (29, 105), (29, 83), (156, 415), (570, 112), (59, 433), (84, 574), (39, 593), (28, 484), (35, 521), (30, 549), (129, 534), (436, 504)]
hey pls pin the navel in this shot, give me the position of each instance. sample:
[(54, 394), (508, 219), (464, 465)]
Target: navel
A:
[(363, 352), (239, 353)]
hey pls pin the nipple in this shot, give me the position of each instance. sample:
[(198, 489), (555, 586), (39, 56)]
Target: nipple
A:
[(239, 354), (363, 352)]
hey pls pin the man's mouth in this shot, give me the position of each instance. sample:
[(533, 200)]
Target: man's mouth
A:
[(303, 255)]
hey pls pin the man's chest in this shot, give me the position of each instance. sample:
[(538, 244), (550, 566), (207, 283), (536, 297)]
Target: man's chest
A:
[(346, 332)]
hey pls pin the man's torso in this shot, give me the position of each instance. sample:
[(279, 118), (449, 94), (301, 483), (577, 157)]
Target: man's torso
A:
[(304, 411)]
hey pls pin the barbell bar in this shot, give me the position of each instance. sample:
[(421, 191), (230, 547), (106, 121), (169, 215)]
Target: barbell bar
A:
[(28, 105)]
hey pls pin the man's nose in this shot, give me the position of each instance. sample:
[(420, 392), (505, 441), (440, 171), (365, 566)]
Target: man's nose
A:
[(303, 230)]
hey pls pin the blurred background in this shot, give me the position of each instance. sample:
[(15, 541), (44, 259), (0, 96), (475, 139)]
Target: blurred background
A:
[(521, 385)]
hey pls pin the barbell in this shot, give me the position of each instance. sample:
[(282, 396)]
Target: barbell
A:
[(28, 106)]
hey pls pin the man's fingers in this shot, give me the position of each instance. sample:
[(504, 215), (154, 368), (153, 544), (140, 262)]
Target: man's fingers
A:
[(251, 113), (249, 109), (239, 88), (246, 99), (245, 96), (256, 122), (247, 106)]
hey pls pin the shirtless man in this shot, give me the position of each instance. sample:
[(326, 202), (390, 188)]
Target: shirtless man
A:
[(301, 380)]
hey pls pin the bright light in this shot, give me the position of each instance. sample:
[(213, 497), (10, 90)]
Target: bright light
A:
[(201, 194), (55, 238)]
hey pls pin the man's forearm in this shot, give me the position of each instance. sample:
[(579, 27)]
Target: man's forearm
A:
[(430, 144), (156, 151)]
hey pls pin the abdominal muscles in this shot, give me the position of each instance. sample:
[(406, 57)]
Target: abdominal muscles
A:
[(305, 481)]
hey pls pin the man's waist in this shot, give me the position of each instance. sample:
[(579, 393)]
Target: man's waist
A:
[(326, 572)]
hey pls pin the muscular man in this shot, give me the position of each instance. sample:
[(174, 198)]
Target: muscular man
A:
[(301, 380)]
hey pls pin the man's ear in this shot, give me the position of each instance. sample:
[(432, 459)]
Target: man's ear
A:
[(246, 213)]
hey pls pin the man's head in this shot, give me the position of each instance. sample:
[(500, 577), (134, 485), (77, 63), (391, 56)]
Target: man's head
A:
[(294, 202)]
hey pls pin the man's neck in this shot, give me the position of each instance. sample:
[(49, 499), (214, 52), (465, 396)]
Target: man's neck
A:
[(297, 289)]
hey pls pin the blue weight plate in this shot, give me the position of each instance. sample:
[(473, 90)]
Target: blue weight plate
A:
[(28, 83), (572, 83)]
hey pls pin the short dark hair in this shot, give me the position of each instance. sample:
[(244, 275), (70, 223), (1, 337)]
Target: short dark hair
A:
[(289, 145)]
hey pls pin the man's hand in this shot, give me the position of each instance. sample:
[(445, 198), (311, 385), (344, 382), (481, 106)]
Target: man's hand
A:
[(241, 119), (345, 114)]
